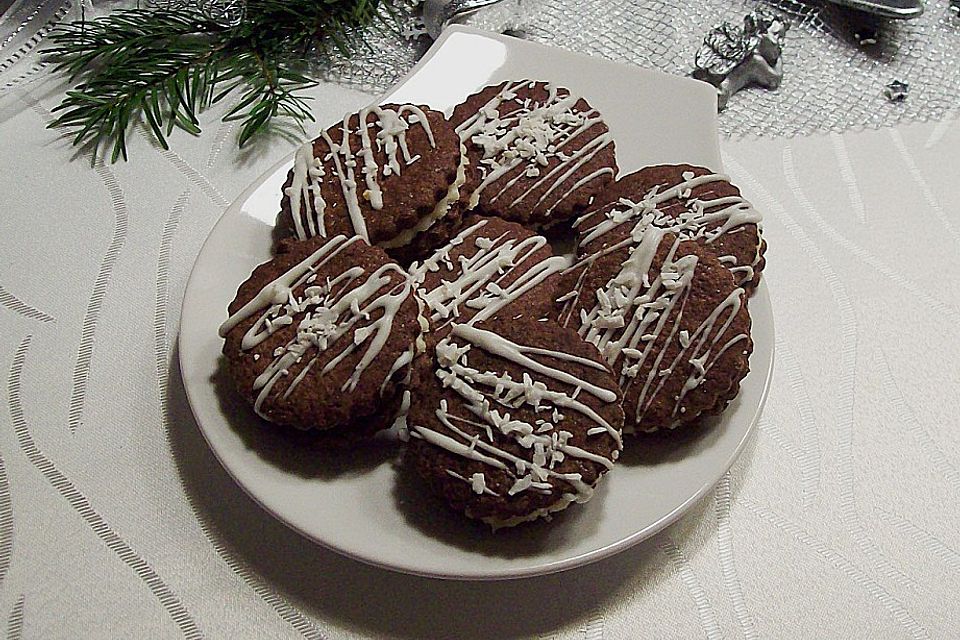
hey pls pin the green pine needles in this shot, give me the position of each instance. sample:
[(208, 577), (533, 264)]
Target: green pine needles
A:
[(166, 67)]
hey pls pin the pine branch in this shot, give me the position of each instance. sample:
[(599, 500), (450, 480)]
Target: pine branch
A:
[(166, 68)]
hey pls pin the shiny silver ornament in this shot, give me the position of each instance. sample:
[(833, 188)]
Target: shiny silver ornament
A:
[(897, 9), (734, 57), (493, 15)]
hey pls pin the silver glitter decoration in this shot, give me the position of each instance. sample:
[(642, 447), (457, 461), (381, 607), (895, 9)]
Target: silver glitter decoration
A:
[(822, 57), (832, 83), (896, 91), (227, 13), (170, 5), (733, 57)]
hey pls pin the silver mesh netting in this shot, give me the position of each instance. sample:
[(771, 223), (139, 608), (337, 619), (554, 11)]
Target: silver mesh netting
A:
[(831, 83)]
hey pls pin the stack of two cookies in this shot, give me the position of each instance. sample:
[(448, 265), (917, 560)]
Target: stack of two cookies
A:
[(514, 401)]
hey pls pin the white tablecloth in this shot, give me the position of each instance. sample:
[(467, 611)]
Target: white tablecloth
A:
[(840, 520)]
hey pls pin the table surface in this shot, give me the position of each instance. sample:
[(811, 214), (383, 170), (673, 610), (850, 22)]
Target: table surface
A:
[(839, 520)]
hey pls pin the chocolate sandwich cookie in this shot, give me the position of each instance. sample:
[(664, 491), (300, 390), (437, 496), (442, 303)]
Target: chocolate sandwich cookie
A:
[(515, 421), (322, 336), (692, 202), (670, 321), (540, 152), (392, 181), (492, 268)]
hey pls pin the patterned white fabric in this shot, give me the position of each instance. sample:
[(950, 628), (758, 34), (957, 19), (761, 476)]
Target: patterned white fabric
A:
[(839, 520)]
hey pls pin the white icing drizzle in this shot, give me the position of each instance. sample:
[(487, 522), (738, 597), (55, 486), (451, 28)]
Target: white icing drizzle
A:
[(305, 187), (399, 429), (307, 206), (477, 482), (476, 280), (697, 219), (634, 318), (324, 311), (490, 396), (402, 361), (522, 144)]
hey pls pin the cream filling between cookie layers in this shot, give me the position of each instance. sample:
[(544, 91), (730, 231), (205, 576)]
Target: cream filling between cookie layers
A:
[(406, 236), (544, 512)]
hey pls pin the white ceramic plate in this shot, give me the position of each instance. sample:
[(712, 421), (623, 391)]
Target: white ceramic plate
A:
[(370, 509)]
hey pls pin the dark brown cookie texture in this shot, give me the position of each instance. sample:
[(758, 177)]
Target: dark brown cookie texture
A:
[(540, 152), (670, 321), (692, 202), (322, 337), (514, 422), (491, 269), (389, 181)]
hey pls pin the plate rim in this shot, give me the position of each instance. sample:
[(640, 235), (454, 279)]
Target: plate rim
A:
[(506, 573)]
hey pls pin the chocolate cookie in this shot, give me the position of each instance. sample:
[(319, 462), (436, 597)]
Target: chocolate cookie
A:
[(692, 202), (322, 336), (670, 321), (514, 422), (389, 182), (540, 152), (491, 268)]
